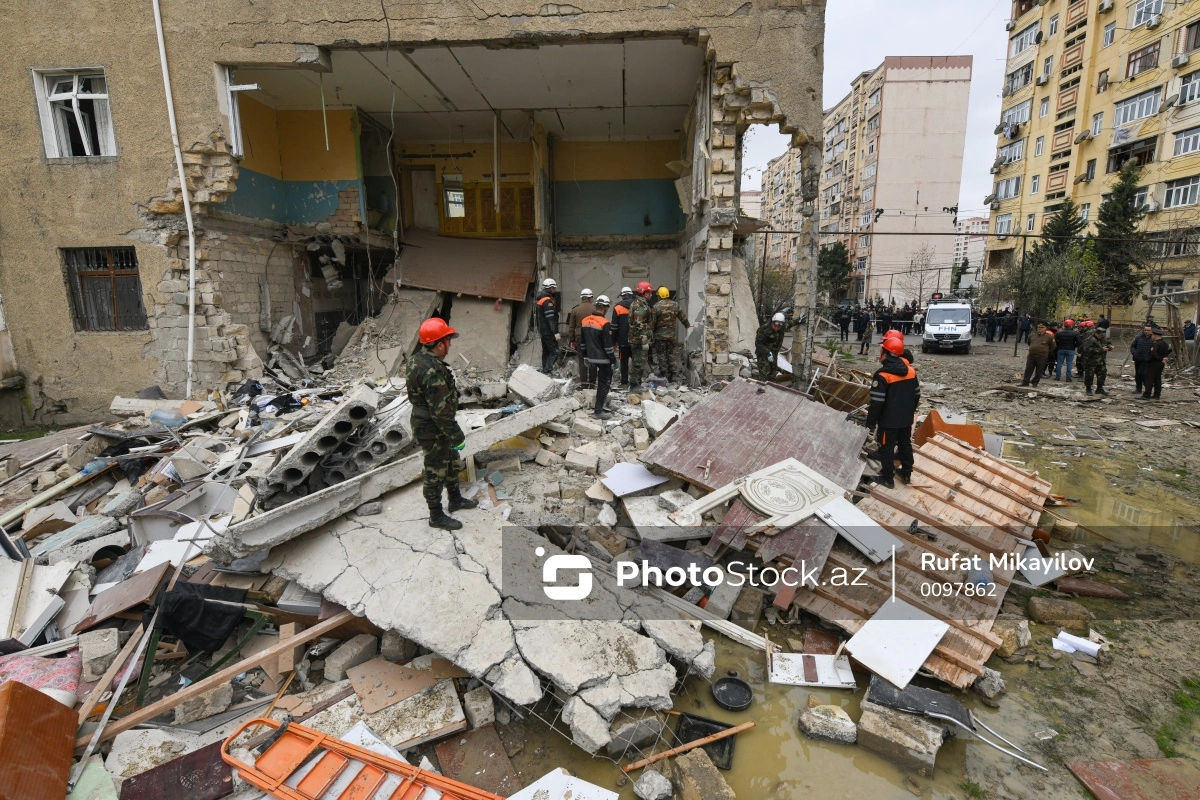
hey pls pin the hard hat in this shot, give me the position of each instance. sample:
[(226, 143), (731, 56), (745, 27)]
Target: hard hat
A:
[(626, 290), (894, 334), (663, 292), (1087, 323), (586, 293), (549, 284), (603, 300), (1070, 323), (893, 346), (433, 330), (779, 317), (644, 286)]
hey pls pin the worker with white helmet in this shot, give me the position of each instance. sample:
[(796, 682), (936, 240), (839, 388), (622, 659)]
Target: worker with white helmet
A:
[(547, 323), (768, 341), (621, 319), (579, 313), (599, 348)]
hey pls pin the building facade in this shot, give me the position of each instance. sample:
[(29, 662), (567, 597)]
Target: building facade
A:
[(1091, 85), (969, 247), (892, 165), (782, 208), (317, 142)]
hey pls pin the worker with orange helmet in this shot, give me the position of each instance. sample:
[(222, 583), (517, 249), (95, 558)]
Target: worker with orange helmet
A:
[(896, 334), (1066, 341), (895, 394), (640, 332), (434, 398)]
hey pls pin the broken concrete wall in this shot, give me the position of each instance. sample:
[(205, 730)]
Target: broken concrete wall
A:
[(605, 271), (93, 202)]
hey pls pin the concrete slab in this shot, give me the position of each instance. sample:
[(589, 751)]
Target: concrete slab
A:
[(532, 387), (483, 327)]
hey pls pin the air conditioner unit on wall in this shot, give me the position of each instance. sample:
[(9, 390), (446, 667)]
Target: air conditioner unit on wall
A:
[(1006, 91), (994, 206), (1154, 22), (1150, 207), (1105, 5), (1042, 80), (1010, 25), (1179, 61)]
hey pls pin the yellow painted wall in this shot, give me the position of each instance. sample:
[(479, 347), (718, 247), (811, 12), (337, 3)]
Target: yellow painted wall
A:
[(515, 158), (260, 137), (302, 153), (614, 161)]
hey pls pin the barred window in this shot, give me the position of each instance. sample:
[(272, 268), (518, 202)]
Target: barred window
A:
[(105, 289)]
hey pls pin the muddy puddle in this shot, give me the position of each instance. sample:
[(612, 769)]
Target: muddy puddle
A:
[(774, 760)]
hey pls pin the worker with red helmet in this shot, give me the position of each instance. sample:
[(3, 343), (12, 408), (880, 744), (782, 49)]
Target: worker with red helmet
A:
[(434, 398), (640, 332), (895, 334), (1086, 329), (895, 394), (1066, 342)]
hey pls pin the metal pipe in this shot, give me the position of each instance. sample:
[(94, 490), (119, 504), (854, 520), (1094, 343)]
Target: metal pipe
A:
[(187, 200)]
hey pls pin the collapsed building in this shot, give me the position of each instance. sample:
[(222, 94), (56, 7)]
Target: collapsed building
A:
[(488, 145)]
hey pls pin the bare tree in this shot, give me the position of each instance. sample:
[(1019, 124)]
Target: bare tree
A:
[(920, 279)]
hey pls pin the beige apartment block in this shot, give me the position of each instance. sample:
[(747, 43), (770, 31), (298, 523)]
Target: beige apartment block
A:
[(597, 141), (893, 163), (1089, 86)]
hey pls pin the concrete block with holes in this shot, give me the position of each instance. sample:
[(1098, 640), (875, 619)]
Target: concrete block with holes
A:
[(355, 410)]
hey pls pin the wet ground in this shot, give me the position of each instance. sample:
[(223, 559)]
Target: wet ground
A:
[(1139, 517)]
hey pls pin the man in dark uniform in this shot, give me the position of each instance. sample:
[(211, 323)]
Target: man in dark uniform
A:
[(895, 394), (621, 319), (663, 316), (1093, 355), (768, 341), (1159, 351), (843, 323), (1139, 350), (434, 398), (598, 345), (547, 323), (640, 333), (574, 342)]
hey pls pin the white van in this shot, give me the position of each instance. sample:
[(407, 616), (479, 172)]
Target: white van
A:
[(947, 325)]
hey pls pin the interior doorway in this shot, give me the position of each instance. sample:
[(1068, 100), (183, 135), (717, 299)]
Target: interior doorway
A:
[(425, 199)]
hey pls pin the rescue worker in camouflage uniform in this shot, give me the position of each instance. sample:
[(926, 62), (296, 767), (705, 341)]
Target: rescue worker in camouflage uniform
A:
[(1093, 355), (434, 398), (640, 332), (768, 341), (663, 316)]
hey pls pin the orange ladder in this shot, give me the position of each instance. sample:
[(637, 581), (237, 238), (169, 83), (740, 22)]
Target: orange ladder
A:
[(292, 746)]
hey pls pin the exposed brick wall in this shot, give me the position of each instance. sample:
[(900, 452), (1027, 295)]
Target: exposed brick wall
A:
[(241, 253)]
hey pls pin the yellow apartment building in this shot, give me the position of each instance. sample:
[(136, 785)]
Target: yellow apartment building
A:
[(1090, 85)]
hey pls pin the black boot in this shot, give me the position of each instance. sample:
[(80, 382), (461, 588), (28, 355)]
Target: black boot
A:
[(458, 502), (439, 518)]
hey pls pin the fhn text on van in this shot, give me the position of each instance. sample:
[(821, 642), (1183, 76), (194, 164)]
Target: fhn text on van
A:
[(632, 574)]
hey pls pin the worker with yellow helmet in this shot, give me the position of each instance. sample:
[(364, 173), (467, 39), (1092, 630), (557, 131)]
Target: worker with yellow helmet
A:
[(664, 315)]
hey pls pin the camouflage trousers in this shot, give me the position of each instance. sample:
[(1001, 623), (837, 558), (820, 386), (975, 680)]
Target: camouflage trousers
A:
[(664, 358), (637, 365), (1097, 371), (766, 364), (441, 460)]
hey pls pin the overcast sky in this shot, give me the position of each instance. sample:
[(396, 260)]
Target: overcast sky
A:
[(859, 34)]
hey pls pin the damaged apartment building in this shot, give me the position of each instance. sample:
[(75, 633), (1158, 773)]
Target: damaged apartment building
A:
[(336, 157)]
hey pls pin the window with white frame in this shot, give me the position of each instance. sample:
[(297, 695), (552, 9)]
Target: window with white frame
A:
[(1137, 107), (1012, 152), (1029, 221), (864, 220), (873, 123), (1008, 188), (1089, 171), (1048, 65), (864, 240), (873, 100), (1140, 198), (1044, 108), (1035, 183), (1023, 40), (861, 263), (1187, 141), (1053, 25), (1085, 211), (1189, 88), (1097, 124), (1146, 10), (871, 147), (75, 113), (1143, 59), (1003, 224), (869, 170), (1019, 78), (1110, 34), (1018, 114), (1039, 144), (1182, 192), (868, 194)]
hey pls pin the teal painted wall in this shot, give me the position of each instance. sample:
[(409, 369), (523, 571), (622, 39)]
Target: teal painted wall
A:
[(292, 202), (615, 208)]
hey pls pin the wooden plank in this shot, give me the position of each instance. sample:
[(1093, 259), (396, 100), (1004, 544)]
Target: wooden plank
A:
[(380, 684), (200, 687), (737, 431), (478, 758), (998, 466), (127, 594)]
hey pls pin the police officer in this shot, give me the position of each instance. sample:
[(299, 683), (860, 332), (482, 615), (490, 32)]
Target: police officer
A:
[(547, 323), (664, 315), (598, 344), (621, 319), (640, 332), (434, 399), (768, 341), (895, 394), (575, 320), (1093, 356)]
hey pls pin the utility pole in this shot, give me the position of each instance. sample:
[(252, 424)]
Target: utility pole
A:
[(1020, 294)]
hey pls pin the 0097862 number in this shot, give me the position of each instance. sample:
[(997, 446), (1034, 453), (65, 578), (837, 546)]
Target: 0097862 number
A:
[(956, 589)]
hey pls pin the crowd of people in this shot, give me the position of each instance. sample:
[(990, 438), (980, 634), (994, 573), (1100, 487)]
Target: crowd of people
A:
[(879, 317), (1081, 350)]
